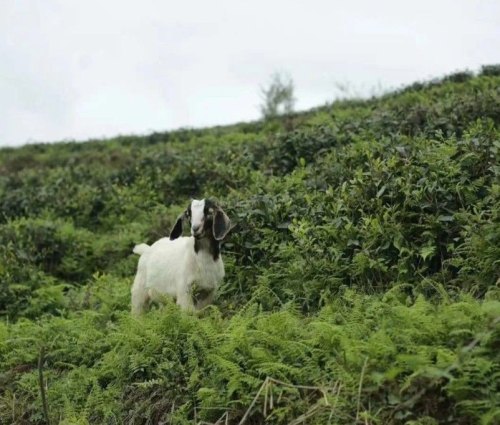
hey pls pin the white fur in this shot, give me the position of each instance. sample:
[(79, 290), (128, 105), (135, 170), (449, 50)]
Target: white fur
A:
[(170, 267), (197, 214), (141, 248)]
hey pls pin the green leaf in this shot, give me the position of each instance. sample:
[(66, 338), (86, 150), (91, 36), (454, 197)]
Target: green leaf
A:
[(445, 218), (427, 251), (381, 191)]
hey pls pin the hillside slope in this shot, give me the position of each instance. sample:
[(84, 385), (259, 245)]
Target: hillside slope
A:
[(362, 277)]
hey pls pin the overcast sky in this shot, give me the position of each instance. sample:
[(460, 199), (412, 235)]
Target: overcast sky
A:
[(86, 69)]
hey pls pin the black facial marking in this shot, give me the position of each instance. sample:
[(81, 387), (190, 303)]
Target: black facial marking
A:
[(208, 215), (209, 204)]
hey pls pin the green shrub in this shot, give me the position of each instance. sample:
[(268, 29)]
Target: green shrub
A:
[(490, 70)]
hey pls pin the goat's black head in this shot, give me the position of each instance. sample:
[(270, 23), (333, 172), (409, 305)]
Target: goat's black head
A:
[(206, 219)]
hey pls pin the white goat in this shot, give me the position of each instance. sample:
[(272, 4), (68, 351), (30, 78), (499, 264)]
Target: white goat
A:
[(177, 266)]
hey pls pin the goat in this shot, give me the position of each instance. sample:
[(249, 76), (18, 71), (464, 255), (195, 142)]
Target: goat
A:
[(177, 265)]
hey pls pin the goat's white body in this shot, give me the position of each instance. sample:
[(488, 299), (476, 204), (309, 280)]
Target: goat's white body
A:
[(171, 267)]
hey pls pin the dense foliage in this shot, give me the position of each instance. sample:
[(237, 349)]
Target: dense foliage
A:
[(362, 275)]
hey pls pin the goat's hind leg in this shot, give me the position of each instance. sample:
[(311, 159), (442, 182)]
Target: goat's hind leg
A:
[(140, 296)]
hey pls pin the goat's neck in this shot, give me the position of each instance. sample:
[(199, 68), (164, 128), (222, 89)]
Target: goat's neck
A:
[(209, 245)]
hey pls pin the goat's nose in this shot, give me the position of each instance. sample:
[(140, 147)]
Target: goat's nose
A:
[(195, 228)]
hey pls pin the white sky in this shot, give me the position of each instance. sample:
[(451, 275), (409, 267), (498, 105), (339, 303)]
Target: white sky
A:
[(84, 69)]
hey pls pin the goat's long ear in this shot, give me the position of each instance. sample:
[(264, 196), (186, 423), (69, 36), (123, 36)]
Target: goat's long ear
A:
[(221, 225), (177, 229)]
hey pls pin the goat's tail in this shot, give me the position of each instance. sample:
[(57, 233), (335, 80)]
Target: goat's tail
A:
[(141, 248)]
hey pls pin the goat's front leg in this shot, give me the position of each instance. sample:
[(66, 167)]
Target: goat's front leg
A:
[(185, 299), (204, 298)]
